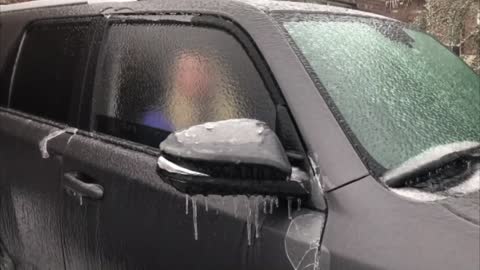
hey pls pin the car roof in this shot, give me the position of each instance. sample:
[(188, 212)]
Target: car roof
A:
[(265, 6), (275, 5)]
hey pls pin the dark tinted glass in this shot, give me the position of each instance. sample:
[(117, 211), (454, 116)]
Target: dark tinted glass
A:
[(3, 93), (155, 79), (50, 69), (6, 64), (3, 84)]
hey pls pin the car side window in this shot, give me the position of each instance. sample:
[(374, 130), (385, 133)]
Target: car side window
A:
[(155, 78), (4, 78), (49, 69)]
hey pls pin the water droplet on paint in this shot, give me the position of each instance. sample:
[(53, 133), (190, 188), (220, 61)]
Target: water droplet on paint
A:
[(260, 130), (209, 126)]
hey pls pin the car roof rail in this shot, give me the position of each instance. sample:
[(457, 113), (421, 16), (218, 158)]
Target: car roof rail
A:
[(52, 3)]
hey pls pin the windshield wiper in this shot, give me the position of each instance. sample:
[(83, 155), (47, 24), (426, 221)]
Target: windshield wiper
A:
[(453, 163)]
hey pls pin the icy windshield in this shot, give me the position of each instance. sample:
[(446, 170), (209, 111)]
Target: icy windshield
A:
[(396, 90)]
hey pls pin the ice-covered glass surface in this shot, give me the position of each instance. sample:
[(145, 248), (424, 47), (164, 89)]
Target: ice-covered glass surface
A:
[(158, 78), (399, 91)]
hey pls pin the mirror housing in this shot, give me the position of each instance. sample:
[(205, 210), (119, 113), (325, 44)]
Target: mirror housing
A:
[(230, 157)]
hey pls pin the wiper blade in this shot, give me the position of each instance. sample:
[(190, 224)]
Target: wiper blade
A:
[(450, 164)]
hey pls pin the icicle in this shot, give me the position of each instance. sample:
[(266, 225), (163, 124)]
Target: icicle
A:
[(223, 205), (276, 202), (194, 210), (186, 203), (249, 222), (43, 143), (299, 204), (206, 203), (289, 208), (271, 201), (265, 205), (80, 197), (257, 224), (74, 132), (315, 259), (235, 206)]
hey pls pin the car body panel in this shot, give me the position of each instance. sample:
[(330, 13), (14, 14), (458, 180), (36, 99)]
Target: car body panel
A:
[(326, 141), (110, 233), (31, 193), (141, 221), (396, 233)]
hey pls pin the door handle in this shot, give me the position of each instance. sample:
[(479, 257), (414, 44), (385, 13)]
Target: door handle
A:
[(73, 182)]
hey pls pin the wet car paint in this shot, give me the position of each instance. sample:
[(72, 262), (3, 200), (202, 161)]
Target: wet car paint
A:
[(344, 222)]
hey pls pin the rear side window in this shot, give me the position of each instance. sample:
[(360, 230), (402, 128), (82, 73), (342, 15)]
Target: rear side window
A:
[(157, 78), (49, 69)]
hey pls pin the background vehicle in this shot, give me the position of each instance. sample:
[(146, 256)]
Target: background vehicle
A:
[(80, 125)]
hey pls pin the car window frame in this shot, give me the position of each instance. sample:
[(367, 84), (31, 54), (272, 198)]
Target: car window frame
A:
[(7, 67), (196, 20)]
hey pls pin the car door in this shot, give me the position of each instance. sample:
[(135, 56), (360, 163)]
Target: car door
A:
[(155, 75), (41, 103)]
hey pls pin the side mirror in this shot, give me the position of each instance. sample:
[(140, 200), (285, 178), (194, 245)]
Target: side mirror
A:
[(230, 157)]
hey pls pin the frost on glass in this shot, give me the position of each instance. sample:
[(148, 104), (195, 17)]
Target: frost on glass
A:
[(399, 90), (435, 187), (155, 79), (428, 156)]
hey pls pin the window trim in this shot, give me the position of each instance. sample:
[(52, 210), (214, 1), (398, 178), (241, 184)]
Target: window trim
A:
[(6, 71), (196, 20), (14, 68)]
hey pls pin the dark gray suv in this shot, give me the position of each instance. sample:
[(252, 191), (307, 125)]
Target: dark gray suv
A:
[(188, 134)]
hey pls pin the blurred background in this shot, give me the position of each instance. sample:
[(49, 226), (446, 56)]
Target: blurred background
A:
[(456, 23)]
